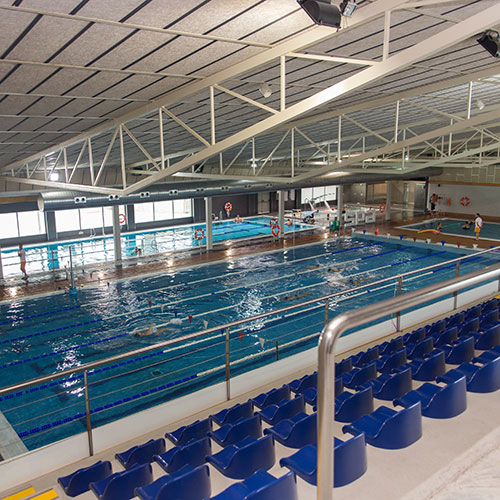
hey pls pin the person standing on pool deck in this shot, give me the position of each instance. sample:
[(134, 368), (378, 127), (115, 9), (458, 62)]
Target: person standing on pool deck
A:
[(22, 257), (434, 200), (478, 224)]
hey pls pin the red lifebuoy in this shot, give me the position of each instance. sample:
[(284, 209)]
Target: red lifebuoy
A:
[(228, 207), (199, 234), (273, 222), (464, 201), (381, 208), (275, 230), (122, 219)]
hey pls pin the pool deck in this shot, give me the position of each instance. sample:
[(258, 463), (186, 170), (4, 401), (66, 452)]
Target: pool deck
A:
[(171, 261)]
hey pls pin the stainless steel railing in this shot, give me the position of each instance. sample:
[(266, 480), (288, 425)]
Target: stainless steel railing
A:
[(227, 328), (326, 358)]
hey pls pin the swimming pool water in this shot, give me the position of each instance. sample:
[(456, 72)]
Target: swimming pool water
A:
[(490, 230), (46, 334), (46, 257)]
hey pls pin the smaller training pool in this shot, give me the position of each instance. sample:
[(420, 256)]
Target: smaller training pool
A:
[(490, 230), (85, 251)]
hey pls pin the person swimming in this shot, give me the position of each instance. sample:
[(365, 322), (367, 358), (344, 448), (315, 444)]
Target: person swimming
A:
[(467, 224), (152, 330), (439, 227), (297, 295)]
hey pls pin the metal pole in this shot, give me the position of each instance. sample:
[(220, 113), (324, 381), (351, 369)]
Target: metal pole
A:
[(277, 352), (72, 279), (87, 413), (398, 314), (1, 266), (327, 310), (455, 294), (228, 367)]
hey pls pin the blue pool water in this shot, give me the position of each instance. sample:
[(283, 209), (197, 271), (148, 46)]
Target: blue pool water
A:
[(46, 334), (93, 250), (490, 230)]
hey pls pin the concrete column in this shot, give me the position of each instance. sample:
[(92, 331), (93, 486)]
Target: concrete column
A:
[(116, 235), (208, 218), (50, 226), (130, 212), (281, 213), (388, 186), (340, 203)]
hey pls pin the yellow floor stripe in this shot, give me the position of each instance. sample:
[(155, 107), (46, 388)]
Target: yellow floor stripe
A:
[(48, 495), (20, 494)]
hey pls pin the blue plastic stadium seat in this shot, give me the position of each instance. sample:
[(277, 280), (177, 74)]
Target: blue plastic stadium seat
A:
[(311, 394), (272, 397), (230, 415), (187, 483), (193, 454), (461, 351), (436, 327), (430, 367), (473, 312), (480, 378), (242, 459), (186, 433), (455, 320), (349, 406), (420, 349), (298, 386), (438, 401), (390, 362), (121, 485), (489, 306), (78, 482), (142, 454), (472, 325), (446, 337), (389, 387), (262, 486), (284, 409), (343, 366), (295, 432), (233, 433), (391, 346), (350, 461), (488, 319), (415, 336), (487, 339), (487, 356), (389, 429), (359, 376), (364, 357)]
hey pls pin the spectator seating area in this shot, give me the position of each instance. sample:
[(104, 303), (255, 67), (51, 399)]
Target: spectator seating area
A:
[(412, 371)]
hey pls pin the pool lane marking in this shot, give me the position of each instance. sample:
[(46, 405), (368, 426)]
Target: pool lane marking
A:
[(20, 494), (22, 318)]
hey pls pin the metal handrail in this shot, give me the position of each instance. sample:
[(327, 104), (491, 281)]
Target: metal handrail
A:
[(326, 358), (225, 326)]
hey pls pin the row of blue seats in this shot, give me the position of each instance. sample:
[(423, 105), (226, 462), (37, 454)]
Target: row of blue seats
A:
[(245, 453)]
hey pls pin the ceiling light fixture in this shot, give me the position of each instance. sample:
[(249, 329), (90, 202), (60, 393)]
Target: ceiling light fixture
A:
[(322, 12), (490, 40), (265, 89), (54, 176), (479, 104), (347, 8)]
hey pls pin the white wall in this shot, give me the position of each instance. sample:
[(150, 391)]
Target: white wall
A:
[(483, 199)]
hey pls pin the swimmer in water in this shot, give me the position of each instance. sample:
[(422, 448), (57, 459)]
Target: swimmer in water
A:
[(288, 222), (334, 269), (297, 295), (152, 330)]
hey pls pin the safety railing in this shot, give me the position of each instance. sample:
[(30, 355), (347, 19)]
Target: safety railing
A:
[(326, 358), (211, 355)]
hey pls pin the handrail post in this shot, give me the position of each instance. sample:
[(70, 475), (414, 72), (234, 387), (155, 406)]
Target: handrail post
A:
[(327, 310), (228, 367), (1, 266), (398, 314), (87, 413), (455, 294), (277, 352)]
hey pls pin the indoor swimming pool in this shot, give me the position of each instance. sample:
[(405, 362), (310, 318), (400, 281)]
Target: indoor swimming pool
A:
[(51, 333), (490, 230), (49, 256)]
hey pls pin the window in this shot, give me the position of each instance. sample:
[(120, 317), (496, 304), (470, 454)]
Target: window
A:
[(182, 208), (31, 223), (91, 218), (108, 214), (67, 220), (144, 212), (164, 210), (8, 223)]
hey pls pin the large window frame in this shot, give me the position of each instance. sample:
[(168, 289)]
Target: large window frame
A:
[(16, 228)]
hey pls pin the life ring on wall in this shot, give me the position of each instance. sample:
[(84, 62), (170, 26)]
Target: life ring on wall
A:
[(273, 222), (122, 219), (199, 234), (449, 202), (275, 230), (465, 201), (228, 207), (381, 208)]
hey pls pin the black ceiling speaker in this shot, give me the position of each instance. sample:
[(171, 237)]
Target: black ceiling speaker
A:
[(322, 12), (490, 40)]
